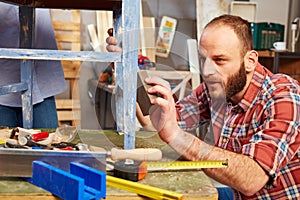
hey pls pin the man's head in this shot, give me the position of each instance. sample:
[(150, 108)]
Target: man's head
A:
[(227, 58)]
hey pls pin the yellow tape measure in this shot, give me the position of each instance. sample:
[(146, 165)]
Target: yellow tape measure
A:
[(185, 165)]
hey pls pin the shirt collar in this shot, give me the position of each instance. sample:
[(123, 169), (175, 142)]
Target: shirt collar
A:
[(254, 87)]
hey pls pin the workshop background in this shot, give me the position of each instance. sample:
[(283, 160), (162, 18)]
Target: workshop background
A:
[(191, 16)]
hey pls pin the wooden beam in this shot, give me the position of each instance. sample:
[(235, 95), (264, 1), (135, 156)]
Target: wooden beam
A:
[(66, 26), (67, 103)]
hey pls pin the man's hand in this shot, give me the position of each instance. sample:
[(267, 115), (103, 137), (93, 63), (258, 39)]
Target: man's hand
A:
[(112, 42), (163, 114)]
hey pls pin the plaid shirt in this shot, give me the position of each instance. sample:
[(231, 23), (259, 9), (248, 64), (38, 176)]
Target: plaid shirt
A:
[(264, 125)]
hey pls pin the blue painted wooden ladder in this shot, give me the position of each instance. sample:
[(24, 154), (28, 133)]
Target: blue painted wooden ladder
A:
[(126, 28)]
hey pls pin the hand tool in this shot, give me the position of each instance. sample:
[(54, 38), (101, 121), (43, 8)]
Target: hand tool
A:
[(30, 140), (138, 170), (138, 154), (18, 162), (185, 165), (22, 132), (11, 143)]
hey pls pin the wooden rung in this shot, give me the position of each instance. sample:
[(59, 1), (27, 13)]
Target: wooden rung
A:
[(67, 104), (66, 26), (71, 65), (75, 46), (71, 75), (68, 63), (71, 70), (68, 115), (74, 37)]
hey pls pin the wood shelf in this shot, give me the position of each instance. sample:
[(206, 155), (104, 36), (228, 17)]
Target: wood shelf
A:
[(266, 53), (281, 62)]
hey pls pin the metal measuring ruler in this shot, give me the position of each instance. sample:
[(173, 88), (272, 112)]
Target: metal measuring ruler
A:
[(185, 165)]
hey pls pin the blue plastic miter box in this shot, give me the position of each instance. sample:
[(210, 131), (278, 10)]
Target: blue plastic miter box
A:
[(82, 183), (265, 34)]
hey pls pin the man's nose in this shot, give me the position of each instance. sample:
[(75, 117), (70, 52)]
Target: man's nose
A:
[(208, 68)]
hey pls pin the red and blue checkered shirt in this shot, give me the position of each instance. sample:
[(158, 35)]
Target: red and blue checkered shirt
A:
[(264, 125)]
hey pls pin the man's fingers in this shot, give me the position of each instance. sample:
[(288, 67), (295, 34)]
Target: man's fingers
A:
[(112, 45), (111, 41), (113, 48), (155, 80), (110, 32)]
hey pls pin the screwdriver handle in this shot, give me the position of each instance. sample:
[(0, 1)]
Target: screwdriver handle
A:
[(139, 154)]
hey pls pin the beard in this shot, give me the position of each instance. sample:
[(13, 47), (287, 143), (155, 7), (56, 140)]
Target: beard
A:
[(221, 92), (236, 82)]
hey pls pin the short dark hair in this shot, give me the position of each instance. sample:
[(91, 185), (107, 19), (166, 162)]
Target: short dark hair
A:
[(240, 26)]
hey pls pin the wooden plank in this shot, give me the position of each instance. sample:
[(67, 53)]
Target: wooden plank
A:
[(41, 54), (28, 197), (75, 46), (67, 103), (68, 115), (149, 33), (66, 26), (71, 69), (104, 22), (93, 37), (71, 74), (65, 37)]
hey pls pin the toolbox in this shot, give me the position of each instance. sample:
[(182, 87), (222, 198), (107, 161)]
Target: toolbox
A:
[(265, 34), (90, 148), (17, 162)]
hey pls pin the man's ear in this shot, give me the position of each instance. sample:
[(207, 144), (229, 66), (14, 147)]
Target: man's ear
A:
[(251, 60)]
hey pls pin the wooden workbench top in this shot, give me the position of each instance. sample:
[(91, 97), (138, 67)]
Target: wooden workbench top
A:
[(193, 184)]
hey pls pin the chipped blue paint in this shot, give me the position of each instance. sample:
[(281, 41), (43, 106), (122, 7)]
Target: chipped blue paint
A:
[(127, 26), (27, 27), (16, 87), (41, 54)]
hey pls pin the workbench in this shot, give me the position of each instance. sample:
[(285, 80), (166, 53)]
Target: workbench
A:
[(126, 12), (193, 184)]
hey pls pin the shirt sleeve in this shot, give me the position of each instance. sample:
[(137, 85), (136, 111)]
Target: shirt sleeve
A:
[(278, 136), (193, 109)]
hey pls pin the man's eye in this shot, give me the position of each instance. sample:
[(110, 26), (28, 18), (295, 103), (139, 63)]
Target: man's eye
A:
[(219, 60)]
